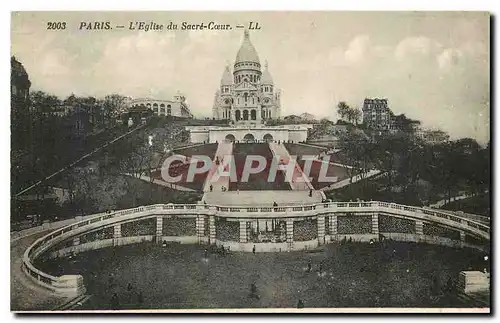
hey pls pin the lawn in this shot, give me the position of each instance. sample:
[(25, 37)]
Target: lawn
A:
[(354, 275)]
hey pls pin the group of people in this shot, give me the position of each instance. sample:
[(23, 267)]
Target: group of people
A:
[(221, 251), (254, 294)]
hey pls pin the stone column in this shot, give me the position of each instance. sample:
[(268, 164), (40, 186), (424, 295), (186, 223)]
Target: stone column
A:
[(200, 227), (243, 231), (211, 222), (159, 228), (333, 224), (321, 229), (419, 227), (289, 231), (117, 231), (76, 241), (375, 223)]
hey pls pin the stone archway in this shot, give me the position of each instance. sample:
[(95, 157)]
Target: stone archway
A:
[(268, 138), (253, 115), (238, 115), (249, 138), (245, 114), (230, 138)]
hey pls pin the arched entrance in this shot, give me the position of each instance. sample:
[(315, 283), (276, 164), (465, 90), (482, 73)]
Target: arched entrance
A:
[(249, 138), (245, 114), (230, 138), (268, 138), (238, 115)]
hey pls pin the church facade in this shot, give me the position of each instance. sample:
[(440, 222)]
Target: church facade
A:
[(247, 95)]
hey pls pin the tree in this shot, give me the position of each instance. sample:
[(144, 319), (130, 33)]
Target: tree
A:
[(406, 124), (357, 152), (343, 110), (354, 116)]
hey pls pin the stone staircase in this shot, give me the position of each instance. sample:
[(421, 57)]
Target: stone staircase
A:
[(299, 180), (223, 149)]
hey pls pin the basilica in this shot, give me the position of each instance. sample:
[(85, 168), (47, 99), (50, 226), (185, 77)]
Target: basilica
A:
[(247, 95), (247, 98)]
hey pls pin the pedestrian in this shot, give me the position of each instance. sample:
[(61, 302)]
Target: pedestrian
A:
[(310, 193), (211, 187), (300, 304), (114, 301), (309, 266), (140, 298), (253, 250)]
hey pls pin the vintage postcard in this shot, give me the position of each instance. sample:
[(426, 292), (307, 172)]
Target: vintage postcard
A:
[(250, 162)]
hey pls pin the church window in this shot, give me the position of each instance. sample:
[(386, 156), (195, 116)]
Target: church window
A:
[(169, 110)]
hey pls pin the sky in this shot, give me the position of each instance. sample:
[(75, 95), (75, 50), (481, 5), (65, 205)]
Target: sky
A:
[(432, 66)]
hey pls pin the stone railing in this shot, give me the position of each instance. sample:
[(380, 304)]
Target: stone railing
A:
[(73, 284)]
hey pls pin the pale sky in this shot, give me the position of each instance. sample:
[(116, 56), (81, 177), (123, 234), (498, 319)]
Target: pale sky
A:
[(434, 67)]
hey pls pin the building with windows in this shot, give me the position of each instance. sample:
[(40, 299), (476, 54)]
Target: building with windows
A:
[(431, 136), (20, 107), (247, 98), (177, 107), (247, 95), (377, 114)]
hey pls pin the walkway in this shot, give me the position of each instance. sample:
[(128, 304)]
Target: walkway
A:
[(79, 160), (262, 198), (300, 182), (165, 184), (25, 295), (348, 181), (443, 202), (223, 149)]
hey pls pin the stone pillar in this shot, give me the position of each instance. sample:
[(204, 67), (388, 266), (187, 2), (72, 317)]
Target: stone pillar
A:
[(419, 227), (159, 227), (375, 223), (289, 231), (333, 224), (76, 241), (321, 229), (243, 231), (200, 227), (211, 222), (117, 231)]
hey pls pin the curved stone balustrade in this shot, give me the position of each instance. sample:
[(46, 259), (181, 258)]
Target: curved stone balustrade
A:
[(73, 284)]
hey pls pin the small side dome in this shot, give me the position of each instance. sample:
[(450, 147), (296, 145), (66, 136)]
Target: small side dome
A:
[(266, 76), (227, 78)]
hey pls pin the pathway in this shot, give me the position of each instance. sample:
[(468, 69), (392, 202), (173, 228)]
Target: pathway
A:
[(299, 180), (445, 201), (163, 183), (348, 181), (78, 160), (26, 295), (223, 149)]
